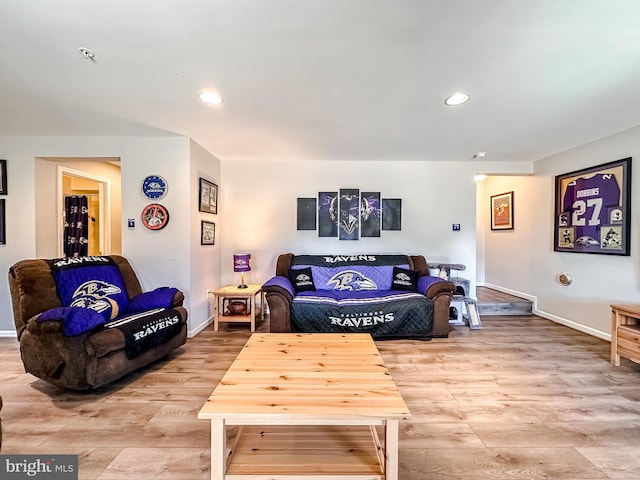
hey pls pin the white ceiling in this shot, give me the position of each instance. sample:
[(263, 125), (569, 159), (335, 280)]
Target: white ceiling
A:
[(326, 79)]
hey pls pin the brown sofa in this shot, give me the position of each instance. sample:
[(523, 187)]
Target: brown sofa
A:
[(92, 358), (280, 299)]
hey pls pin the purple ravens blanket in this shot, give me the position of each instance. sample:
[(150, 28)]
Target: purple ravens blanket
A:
[(351, 272), (383, 314), (93, 283), (147, 330), (92, 293)]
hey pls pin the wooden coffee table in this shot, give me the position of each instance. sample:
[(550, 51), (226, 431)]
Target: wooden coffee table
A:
[(319, 405)]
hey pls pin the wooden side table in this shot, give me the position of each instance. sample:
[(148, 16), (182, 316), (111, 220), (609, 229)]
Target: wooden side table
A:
[(232, 292), (625, 332)]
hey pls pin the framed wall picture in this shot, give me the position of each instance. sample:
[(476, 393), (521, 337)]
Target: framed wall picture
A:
[(349, 214), (207, 233), (327, 214), (3, 177), (306, 214), (592, 209), (370, 214), (3, 224), (502, 211), (391, 214), (208, 202)]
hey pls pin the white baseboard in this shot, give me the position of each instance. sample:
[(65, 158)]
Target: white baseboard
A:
[(200, 327), (554, 318), (576, 326), (8, 334)]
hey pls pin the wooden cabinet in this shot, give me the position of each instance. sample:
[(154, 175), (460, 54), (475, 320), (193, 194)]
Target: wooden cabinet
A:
[(625, 332)]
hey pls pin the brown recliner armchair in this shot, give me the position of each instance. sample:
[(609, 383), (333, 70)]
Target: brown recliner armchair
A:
[(141, 329)]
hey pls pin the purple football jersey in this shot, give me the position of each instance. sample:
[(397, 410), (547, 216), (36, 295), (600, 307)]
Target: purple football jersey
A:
[(588, 201)]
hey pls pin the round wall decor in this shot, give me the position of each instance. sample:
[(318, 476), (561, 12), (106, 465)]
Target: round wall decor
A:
[(154, 187), (155, 216), (565, 278)]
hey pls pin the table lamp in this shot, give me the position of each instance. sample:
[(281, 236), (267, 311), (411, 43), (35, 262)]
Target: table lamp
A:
[(241, 263)]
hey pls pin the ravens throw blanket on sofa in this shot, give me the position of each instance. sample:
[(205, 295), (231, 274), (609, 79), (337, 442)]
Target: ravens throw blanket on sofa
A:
[(147, 329), (93, 295), (354, 293)]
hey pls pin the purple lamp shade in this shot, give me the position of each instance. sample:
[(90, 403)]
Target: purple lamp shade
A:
[(242, 262)]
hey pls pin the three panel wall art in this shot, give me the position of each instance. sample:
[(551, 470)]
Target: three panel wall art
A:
[(349, 214)]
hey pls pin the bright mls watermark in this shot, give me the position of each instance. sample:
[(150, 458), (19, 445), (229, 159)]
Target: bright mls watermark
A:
[(40, 467)]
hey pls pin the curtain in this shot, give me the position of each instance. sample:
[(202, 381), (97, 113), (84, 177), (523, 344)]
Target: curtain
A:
[(76, 216)]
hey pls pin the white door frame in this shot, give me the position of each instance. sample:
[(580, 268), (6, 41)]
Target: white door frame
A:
[(104, 211)]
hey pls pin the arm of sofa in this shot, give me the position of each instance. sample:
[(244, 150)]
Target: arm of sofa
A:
[(162, 297), (440, 292), (279, 293), (49, 354)]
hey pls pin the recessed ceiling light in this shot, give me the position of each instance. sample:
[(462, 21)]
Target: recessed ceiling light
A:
[(212, 98), (457, 99), (479, 154)]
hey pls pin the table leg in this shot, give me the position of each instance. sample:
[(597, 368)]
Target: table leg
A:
[(615, 321), (218, 460), (253, 313), (216, 316), (391, 450)]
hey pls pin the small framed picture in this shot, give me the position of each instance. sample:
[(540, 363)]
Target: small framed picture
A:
[(502, 211), (208, 197), (3, 177), (207, 233)]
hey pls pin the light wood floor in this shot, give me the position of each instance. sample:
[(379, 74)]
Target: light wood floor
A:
[(523, 398)]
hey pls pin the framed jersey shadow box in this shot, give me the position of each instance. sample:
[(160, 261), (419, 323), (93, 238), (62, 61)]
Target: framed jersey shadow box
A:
[(593, 210)]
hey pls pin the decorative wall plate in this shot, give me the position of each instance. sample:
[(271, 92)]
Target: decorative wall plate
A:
[(155, 216), (154, 187)]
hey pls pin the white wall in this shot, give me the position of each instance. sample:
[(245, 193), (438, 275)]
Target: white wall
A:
[(205, 259), (259, 203), (533, 266), (160, 258), (256, 213)]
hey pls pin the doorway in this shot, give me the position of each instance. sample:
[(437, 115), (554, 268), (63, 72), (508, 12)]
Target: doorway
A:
[(74, 184)]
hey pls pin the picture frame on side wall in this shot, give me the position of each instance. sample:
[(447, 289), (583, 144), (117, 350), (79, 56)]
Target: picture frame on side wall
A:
[(208, 202), (3, 177), (592, 210), (502, 211), (207, 233)]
